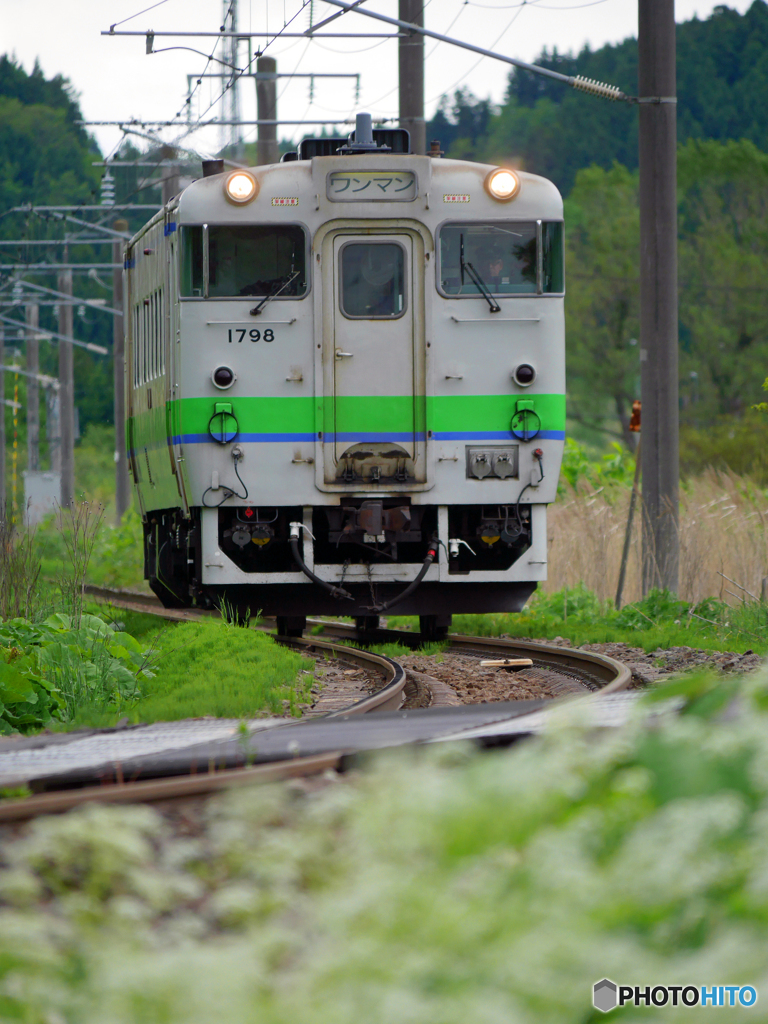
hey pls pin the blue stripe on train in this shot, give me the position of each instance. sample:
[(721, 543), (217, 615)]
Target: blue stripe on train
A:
[(481, 435), (494, 435)]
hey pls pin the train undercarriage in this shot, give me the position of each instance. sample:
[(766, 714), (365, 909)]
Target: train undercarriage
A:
[(361, 558)]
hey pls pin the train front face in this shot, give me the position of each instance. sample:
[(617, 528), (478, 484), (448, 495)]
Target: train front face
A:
[(369, 354)]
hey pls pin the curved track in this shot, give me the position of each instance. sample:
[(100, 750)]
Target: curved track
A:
[(297, 748), (596, 671)]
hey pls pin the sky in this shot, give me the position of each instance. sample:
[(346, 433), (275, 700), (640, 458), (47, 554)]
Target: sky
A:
[(116, 79)]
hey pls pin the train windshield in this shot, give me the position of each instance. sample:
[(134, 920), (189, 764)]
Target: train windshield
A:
[(252, 260), (512, 258)]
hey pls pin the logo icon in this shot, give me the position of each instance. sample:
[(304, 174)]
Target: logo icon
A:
[(604, 996)]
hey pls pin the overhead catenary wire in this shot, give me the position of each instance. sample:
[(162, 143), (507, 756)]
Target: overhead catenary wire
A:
[(138, 13), (48, 335), (586, 85)]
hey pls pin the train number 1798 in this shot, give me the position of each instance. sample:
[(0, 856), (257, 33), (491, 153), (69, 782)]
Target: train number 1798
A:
[(254, 334)]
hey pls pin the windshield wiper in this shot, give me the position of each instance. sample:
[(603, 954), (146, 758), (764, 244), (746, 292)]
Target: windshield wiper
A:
[(478, 281), (288, 279)]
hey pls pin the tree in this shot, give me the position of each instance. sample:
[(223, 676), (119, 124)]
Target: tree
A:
[(549, 129), (723, 255), (602, 306)]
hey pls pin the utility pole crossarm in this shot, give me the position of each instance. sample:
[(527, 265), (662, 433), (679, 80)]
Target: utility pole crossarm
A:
[(71, 220), (48, 335), (610, 92), (74, 299), (207, 124), (42, 378), (261, 35)]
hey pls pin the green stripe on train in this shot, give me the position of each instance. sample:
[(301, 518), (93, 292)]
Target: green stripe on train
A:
[(365, 413)]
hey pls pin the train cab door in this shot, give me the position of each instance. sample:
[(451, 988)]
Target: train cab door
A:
[(373, 357)]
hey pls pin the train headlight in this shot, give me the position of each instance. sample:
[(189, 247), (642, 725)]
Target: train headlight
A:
[(502, 184), (241, 187), (524, 375)]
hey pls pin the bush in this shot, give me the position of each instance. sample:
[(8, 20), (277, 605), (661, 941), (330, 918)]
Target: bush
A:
[(615, 467), (738, 444), (51, 671), (437, 885)]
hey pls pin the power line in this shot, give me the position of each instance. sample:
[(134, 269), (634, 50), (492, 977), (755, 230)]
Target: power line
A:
[(214, 121), (267, 35), (158, 4), (576, 82), (47, 335)]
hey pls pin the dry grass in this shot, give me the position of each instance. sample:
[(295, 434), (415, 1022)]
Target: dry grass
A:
[(723, 529)]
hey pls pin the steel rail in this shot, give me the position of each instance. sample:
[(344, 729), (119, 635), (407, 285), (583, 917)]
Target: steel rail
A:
[(606, 674), (600, 671)]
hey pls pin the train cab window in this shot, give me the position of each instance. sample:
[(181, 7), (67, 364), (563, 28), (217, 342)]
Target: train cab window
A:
[(192, 261), (513, 258), (253, 260), (553, 262), (372, 280)]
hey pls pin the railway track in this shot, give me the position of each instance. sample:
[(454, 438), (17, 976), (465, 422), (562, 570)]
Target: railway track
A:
[(175, 760), (595, 671)]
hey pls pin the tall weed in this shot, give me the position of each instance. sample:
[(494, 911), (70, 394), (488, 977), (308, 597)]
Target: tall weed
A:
[(19, 569), (723, 530)]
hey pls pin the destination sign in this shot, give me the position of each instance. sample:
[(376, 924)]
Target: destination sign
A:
[(371, 186)]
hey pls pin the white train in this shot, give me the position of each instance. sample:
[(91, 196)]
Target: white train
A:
[(346, 384)]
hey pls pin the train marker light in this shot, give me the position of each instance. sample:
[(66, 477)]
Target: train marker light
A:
[(241, 187), (223, 377), (524, 375), (502, 184)]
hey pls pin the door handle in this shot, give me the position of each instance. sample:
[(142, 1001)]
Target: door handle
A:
[(343, 355)]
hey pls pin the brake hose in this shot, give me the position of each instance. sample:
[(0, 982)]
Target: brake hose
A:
[(334, 591), (431, 556)]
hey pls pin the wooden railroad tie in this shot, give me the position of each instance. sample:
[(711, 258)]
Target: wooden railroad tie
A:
[(513, 664)]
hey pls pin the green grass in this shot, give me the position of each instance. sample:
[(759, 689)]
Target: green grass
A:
[(660, 620), (214, 668), (210, 668)]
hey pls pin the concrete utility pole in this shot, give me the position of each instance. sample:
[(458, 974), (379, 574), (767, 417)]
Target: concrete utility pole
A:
[(411, 75), (52, 427), (33, 388), (122, 486), (658, 293), (267, 149), (170, 174), (66, 393), (2, 425)]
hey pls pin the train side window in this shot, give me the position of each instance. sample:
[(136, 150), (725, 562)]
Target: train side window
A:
[(553, 257), (192, 261), (372, 280), (135, 346), (503, 256)]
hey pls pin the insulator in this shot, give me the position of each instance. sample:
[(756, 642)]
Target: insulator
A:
[(107, 190), (608, 92)]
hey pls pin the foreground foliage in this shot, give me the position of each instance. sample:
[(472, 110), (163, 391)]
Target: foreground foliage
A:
[(451, 886), (50, 671)]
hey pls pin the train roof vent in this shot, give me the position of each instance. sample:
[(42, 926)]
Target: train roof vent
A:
[(319, 147)]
